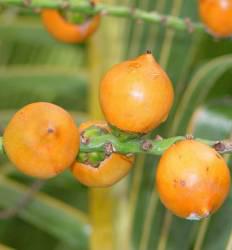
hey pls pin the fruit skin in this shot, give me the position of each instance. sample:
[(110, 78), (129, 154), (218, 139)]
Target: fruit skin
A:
[(137, 95), (41, 139), (217, 16), (110, 171), (192, 179), (67, 32)]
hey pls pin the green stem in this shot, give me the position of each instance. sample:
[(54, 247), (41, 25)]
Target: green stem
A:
[(86, 7), (97, 140), (156, 147), (108, 144)]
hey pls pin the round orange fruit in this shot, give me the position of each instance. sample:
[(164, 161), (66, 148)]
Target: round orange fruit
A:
[(137, 95), (41, 139), (65, 31), (112, 169), (217, 16), (192, 179)]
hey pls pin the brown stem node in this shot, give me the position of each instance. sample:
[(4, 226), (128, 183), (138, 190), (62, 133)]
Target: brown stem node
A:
[(84, 140), (146, 145), (220, 146), (189, 24), (189, 137), (109, 149), (223, 146), (65, 4), (26, 3), (163, 19), (92, 3), (132, 10), (158, 138)]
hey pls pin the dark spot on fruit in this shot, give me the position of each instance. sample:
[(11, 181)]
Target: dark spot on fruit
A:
[(51, 130), (207, 169), (134, 65), (182, 183), (174, 182)]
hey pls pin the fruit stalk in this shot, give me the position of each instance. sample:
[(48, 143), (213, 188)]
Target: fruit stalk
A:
[(118, 11), (23, 202), (147, 146)]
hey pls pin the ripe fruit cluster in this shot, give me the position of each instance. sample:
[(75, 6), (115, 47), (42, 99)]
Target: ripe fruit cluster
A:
[(215, 14), (136, 96), (42, 141)]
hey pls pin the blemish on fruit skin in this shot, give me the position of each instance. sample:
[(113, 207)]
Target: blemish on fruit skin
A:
[(51, 130), (195, 216), (175, 182), (182, 183), (134, 65)]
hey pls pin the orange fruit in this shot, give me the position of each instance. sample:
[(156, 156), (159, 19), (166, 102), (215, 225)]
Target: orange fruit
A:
[(65, 31), (217, 16), (41, 139), (110, 170), (136, 95), (192, 179)]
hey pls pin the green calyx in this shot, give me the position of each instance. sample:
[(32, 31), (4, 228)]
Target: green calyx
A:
[(75, 18), (93, 158), (94, 131)]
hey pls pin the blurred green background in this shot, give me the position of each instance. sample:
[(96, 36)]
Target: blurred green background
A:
[(65, 215)]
